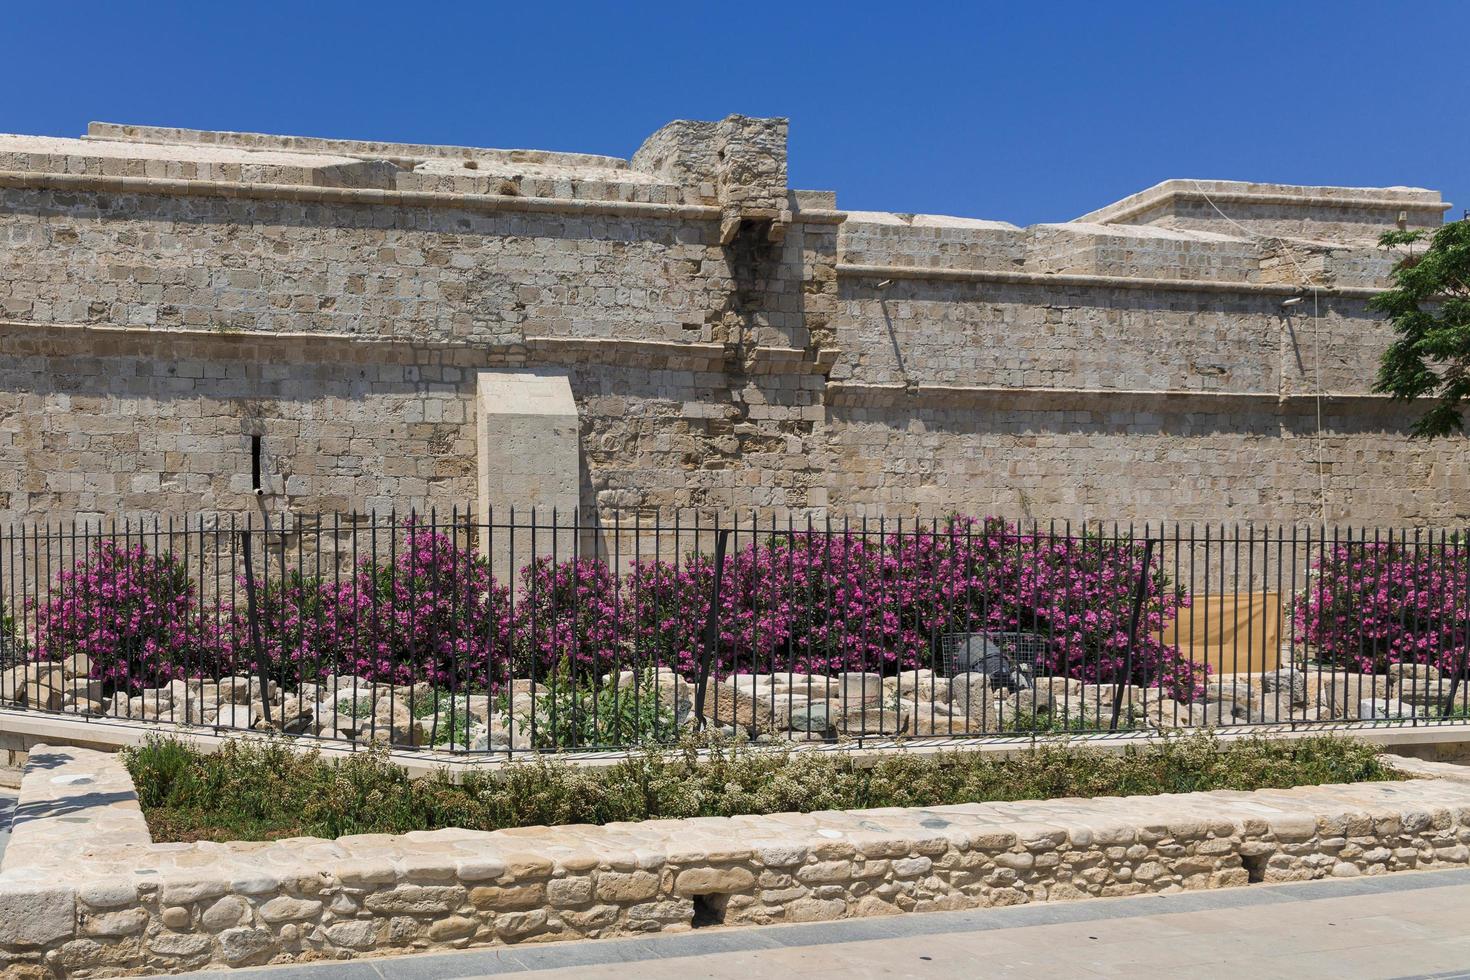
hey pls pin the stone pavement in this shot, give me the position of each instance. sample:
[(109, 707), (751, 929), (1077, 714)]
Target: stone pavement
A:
[(7, 807), (1393, 926)]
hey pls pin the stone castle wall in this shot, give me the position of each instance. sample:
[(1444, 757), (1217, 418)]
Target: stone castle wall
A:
[(729, 342)]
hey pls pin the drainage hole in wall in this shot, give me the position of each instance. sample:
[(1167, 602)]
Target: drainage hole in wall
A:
[(709, 910), (1255, 867)]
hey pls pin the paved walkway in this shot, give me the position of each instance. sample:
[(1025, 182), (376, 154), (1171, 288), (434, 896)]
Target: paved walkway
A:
[(7, 807), (1393, 926)]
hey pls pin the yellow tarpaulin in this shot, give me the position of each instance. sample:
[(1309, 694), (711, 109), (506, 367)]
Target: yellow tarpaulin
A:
[(1231, 633)]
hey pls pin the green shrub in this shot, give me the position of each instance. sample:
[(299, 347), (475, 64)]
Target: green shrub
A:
[(448, 718), (254, 789), (13, 646), (577, 714)]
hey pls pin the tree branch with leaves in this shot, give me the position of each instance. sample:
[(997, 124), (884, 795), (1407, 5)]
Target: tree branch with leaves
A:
[(1428, 306)]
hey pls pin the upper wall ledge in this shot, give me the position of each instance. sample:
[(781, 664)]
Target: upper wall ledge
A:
[(732, 169)]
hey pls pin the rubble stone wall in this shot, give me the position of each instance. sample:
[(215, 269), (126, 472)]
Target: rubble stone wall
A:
[(84, 893)]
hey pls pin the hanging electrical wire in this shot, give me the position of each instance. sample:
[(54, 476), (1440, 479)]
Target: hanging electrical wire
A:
[(1306, 283)]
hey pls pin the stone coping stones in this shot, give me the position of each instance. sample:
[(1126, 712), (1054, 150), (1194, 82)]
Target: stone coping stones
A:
[(83, 892)]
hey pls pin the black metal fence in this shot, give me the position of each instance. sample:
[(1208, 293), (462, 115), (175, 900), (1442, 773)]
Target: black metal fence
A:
[(530, 631)]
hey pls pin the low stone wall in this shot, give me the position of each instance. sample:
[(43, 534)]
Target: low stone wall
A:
[(83, 891)]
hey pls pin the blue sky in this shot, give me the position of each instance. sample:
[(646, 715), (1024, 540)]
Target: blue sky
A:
[(1024, 112)]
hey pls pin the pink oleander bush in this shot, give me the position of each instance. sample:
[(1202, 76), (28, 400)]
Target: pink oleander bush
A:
[(134, 614), (815, 604), (569, 612), (1371, 605), (434, 614), (428, 613), (810, 603), (298, 627), (1076, 591)]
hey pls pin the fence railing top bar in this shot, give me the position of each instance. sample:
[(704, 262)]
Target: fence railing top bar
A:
[(346, 522)]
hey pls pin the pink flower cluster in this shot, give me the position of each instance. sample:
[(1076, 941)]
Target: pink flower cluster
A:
[(808, 602), (1374, 604), (816, 603), (134, 614), (429, 613)]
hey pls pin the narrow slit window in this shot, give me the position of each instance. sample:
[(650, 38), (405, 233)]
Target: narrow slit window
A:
[(255, 462)]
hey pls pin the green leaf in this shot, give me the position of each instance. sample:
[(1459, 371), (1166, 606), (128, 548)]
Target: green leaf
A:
[(1428, 306)]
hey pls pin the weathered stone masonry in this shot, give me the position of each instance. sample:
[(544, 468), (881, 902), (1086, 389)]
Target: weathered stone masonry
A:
[(85, 893), (727, 342)]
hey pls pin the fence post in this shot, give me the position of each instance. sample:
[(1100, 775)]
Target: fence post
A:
[(250, 606), (1138, 594), (711, 626), (1449, 702)]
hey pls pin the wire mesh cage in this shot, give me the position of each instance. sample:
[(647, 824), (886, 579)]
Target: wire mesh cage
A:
[(1008, 657)]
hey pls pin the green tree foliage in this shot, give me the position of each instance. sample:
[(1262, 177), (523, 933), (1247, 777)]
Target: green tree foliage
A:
[(1429, 307)]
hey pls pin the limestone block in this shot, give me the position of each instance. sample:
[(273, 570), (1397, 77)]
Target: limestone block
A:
[(971, 694), (1287, 685), (618, 886), (1419, 684), (1382, 708), (919, 685), (182, 945), (782, 706), (526, 437), (18, 683), (284, 908), (36, 916), (713, 881), (724, 705), (353, 934), (856, 687), (81, 688), (243, 690), (930, 718), (812, 716), (1166, 713), (224, 913), (416, 900), (12, 684), (395, 724), (244, 943), (45, 694), (873, 719), (1104, 694), (1047, 692), (1339, 694), (296, 715), (1236, 690), (77, 665), (123, 922)]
